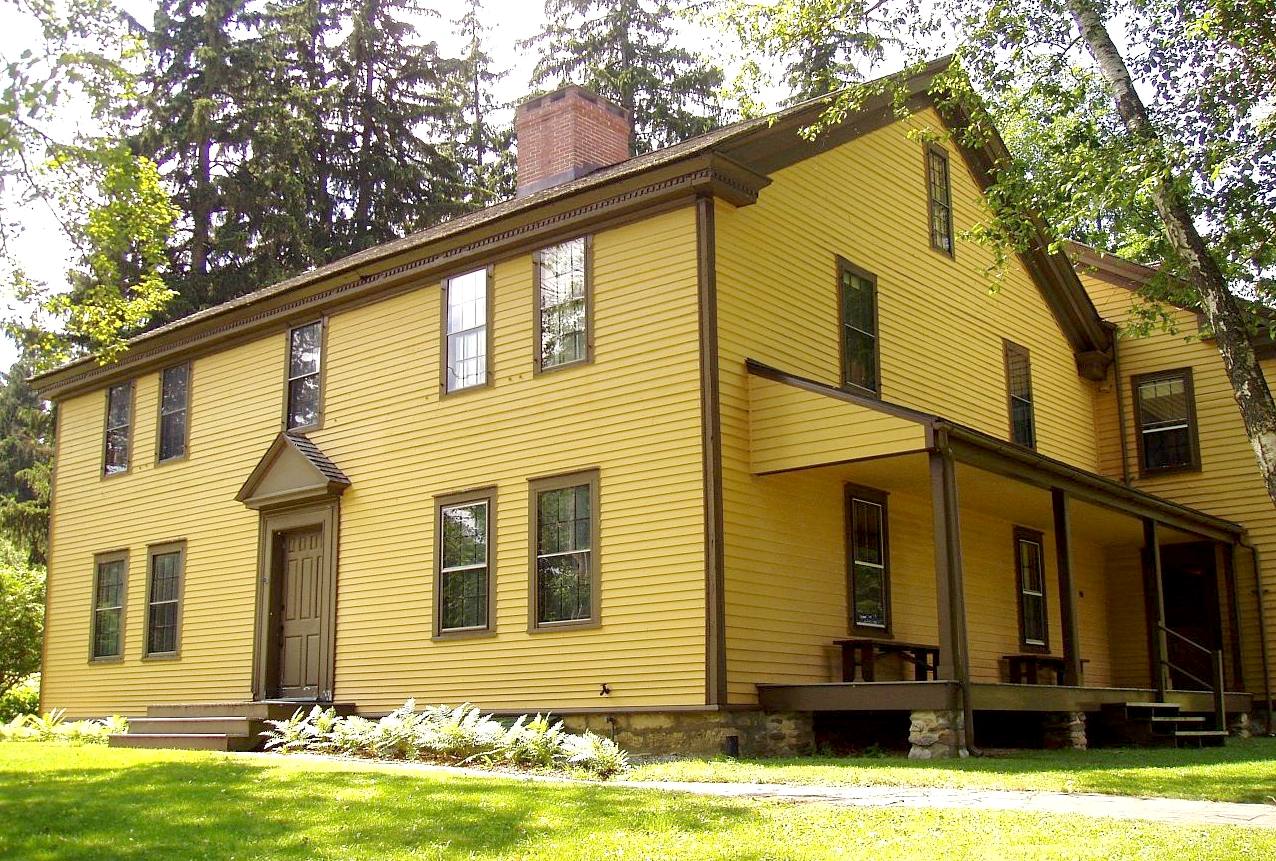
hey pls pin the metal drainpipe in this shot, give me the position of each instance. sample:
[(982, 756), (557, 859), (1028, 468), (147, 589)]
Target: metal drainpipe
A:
[(1120, 405), (1262, 632)]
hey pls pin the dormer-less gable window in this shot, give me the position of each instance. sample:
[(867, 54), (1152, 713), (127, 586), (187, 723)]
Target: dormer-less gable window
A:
[(563, 299), (1023, 422), (305, 367), (119, 429), (939, 191)]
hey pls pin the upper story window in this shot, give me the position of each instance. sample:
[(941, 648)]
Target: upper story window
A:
[(109, 584), (563, 323), (119, 428), (174, 400), (464, 585), (305, 367), (1165, 419), (564, 542), (163, 598), (939, 191), (1023, 423), (857, 291), (1031, 581), (465, 301), (868, 560)]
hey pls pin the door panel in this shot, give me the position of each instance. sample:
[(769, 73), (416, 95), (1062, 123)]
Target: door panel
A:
[(302, 623), (1191, 609)]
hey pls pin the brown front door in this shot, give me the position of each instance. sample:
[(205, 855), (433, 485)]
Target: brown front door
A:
[(302, 633), (1192, 611)]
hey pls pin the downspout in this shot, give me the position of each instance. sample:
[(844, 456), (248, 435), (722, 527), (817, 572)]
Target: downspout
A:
[(1262, 632), (1120, 407)]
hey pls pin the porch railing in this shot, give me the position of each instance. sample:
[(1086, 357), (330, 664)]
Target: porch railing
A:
[(1215, 685)]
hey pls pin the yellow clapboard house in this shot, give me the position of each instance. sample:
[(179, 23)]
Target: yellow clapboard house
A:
[(714, 448)]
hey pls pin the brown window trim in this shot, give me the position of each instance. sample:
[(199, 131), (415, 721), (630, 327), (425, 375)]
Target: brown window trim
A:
[(927, 149), (98, 560), (877, 497), (1008, 348), (132, 428), (1189, 391), (481, 494), (489, 375), (537, 367), (535, 487), (323, 373), (159, 415), (153, 550), (1023, 533), (846, 266)]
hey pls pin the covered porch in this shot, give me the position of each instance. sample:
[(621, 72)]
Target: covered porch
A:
[(998, 566)]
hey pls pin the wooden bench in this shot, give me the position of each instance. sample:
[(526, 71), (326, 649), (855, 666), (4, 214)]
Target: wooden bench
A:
[(862, 652), (1027, 667)]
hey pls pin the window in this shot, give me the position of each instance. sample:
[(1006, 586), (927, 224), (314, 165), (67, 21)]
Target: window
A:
[(109, 583), (562, 304), (305, 365), (463, 585), (858, 296), (465, 317), (174, 395), (868, 560), (1023, 426), (163, 598), (939, 190), (119, 428), (1031, 579), (1165, 417), (564, 550)]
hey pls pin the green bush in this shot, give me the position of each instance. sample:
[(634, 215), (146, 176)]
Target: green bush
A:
[(21, 617), (21, 699), (53, 726), (459, 735)]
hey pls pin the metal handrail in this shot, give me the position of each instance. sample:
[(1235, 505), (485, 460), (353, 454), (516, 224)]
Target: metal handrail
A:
[(1216, 667), (1188, 641)]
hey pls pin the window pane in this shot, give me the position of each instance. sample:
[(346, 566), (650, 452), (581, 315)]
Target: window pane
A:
[(161, 631), (563, 303), (857, 302), (465, 535), (1163, 402), (867, 534), (467, 359), (119, 406), (110, 584), (563, 587), (165, 571), (304, 356), (464, 599), (1034, 619), (173, 435), (173, 396), (870, 595), (564, 520), (116, 451), (467, 301), (303, 401), (106, 634), (1022, 428), (860, 351), (1167, 448), (1030, 566)]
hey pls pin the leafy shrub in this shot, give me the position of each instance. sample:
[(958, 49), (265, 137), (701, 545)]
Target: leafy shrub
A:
[(21, 699), (449, 734), (53, 726)]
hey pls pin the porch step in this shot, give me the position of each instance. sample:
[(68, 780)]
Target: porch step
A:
[(1200, 737), (183, 741), (1158, 724), (211, 725), (260, 710)]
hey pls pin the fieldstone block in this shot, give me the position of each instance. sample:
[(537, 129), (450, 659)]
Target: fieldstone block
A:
[(936, 734), (1065, 731)]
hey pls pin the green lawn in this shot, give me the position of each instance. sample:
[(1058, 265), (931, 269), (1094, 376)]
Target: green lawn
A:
[(59, 802), (1244, 770)]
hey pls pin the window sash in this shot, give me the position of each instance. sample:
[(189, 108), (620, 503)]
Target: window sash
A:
[(172, 417), (870, 575), (464, 607), (108, 609), (305, 367), (163, 601), (563, 296), (564, 554), (466, 320), (858, 303), (1166, 422), (1032, 585), (939, 192), (118, 429)]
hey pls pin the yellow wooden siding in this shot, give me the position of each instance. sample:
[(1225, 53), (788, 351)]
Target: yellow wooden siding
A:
[(1228, 484), (792, 428), (634, 414), (941, 331)]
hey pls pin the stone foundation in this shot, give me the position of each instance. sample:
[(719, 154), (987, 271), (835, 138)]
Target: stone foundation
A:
[(707, 733), (937, 735), (1240, 725), (1064, 731)]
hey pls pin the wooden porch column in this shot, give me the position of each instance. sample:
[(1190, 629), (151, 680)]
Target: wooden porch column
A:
[(954, 659), (1156, 607), (1067, 588)]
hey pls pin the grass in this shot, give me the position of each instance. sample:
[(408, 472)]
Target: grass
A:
[(62, 802), (1244, 770)]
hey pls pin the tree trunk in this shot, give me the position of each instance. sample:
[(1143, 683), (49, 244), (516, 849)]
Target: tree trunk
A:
[(1221, 308)]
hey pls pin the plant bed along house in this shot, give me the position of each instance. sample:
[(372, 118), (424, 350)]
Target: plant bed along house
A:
[(460, 735)]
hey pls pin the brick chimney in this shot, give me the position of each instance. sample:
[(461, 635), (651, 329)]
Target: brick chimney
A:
[(566, 134)]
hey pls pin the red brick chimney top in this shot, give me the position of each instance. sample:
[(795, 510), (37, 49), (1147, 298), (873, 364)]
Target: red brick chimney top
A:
[(566, 134)]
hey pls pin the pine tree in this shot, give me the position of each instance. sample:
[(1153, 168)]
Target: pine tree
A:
[(389, 168), (621, 49), (481, 147), (26, 448)]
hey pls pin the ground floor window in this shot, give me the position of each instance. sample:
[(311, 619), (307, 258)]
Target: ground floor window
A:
[(564, 517), (1031, 579), (868, 560), (110, 583), (464, 573)]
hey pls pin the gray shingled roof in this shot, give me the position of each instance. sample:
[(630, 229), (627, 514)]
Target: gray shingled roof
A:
[(317, 458)]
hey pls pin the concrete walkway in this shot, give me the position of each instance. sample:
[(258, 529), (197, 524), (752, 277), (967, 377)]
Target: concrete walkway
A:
[(1172, 811)]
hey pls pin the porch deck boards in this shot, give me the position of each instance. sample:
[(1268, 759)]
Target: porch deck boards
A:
[(985, 696)]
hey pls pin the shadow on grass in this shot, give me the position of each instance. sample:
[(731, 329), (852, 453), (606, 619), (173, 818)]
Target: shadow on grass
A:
[(210, 808)]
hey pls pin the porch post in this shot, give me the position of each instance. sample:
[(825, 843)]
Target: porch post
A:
[(954, 662), (1067, 589), (1233, 615), (1156, 607)]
